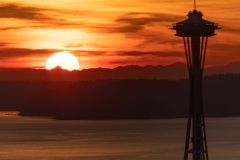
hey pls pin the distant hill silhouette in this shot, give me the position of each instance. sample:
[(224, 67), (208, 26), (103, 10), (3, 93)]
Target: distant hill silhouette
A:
[(172, 72), (119, 99), (57, 68), (230, 68)]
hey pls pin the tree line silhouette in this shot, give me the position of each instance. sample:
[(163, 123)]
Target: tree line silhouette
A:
[(119, 99)]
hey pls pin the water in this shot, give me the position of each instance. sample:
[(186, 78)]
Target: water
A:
[(27, 138)]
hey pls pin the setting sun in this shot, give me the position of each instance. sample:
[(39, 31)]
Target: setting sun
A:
[(63, 59)]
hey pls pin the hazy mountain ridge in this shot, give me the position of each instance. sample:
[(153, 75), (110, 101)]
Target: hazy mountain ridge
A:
[(173, 72)]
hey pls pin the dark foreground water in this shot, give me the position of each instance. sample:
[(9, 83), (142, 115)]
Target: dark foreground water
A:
[(31, 138)]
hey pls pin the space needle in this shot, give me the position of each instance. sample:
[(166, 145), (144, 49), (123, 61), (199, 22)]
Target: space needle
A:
[(195, 32)]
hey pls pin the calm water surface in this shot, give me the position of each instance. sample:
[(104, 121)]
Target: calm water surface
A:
[(28, 138)]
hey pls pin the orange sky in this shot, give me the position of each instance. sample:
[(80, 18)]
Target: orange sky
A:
[(103, 33)]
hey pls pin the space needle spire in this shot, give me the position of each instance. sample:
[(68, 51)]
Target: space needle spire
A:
[(195, 5), (195, 32)]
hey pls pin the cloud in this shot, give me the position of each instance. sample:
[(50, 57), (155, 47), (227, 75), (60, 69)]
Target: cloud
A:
[(88, 53), (148, 28), (137, 18), (44, 17), (16, 11), (153, 53), (129, 23), (17, 28), (24, 52), (230, 29), (136, 21), (222, 49), (155, 39), (2, 44)]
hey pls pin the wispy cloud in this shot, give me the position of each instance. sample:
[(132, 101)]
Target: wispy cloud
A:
[(43, 17), (153, 53), (229, 29), (21, 12), (136, 21), (144, 26), (24, 52), (141, 19), (2, 44)]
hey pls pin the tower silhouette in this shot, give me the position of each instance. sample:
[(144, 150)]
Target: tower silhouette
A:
[(195, 32)]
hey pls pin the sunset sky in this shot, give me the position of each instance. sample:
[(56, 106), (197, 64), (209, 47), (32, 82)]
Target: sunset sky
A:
[(104, 33)]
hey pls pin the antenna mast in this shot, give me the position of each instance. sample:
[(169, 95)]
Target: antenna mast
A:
[(195, 5)]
